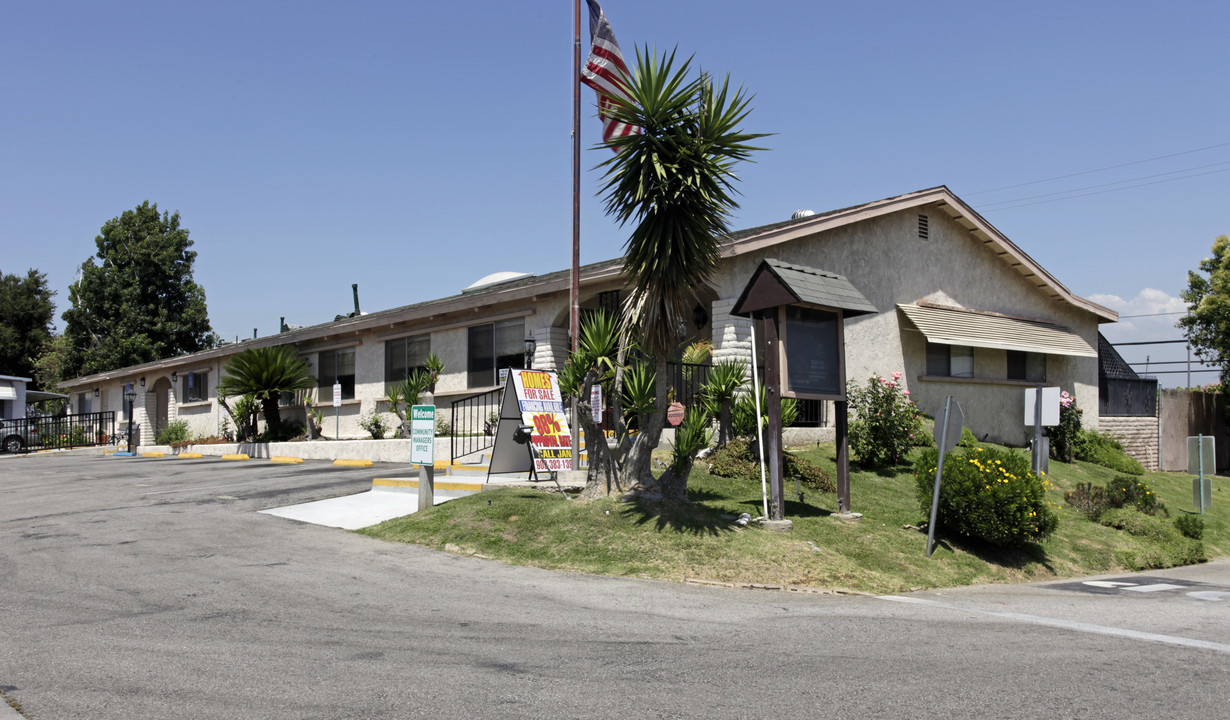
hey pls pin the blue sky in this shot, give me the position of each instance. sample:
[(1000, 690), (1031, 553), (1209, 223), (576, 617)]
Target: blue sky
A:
[(414, 147)]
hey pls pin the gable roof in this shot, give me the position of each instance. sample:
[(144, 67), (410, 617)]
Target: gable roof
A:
[(733, 245), (786, 284), (766, 236)]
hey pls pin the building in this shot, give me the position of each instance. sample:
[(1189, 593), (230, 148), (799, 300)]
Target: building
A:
[(961, 311)]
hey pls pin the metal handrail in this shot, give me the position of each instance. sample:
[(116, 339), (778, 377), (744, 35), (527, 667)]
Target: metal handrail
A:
[(470, 421)]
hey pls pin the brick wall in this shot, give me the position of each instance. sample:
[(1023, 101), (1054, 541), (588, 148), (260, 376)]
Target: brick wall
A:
[(1138, 435)]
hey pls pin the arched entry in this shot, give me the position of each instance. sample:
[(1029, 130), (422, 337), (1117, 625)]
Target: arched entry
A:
[(162, 406)]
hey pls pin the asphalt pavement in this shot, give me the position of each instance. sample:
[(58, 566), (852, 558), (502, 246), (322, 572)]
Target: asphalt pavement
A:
[(155, 588)]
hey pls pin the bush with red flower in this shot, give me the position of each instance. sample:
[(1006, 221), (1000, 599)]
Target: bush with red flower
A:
[(885, 423)]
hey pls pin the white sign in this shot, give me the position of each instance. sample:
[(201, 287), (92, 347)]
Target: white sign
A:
[(422, 434), (595, 402), (1201, 455), (542, 406), (1050, 406), (337, 394)]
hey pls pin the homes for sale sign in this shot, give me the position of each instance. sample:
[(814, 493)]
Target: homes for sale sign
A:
[(542, 406)]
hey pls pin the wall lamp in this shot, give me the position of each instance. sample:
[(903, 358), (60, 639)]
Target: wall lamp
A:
[(142, 381), (531, 345), (174, 377), (95, 392)]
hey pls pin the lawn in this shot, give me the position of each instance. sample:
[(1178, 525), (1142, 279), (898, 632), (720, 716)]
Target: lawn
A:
[(876, 554)]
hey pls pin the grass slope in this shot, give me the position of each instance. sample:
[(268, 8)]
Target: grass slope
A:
[(531, 527)]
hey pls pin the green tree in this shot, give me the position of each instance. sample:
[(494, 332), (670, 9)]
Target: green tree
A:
[(265, 373), (675, 180), (138, 303), (1207, 324), (26, 313)]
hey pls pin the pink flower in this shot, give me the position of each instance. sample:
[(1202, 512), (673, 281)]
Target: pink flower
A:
[(896, 376), (906, 393), (890, 383)]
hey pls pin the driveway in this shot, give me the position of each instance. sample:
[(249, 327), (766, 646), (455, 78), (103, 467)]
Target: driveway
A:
[(143, 588)]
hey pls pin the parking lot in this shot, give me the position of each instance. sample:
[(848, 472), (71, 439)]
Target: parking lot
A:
[(152, 588)]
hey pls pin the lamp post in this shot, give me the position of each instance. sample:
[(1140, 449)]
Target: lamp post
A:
[(130, 394)]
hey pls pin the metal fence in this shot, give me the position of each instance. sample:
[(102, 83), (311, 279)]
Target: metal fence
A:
[(63, 431)]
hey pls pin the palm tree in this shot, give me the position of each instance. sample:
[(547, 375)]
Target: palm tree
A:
[(265, 373), (675, 180)]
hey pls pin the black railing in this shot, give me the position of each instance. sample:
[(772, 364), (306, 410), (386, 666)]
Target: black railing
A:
[(62, 431), (1127, 398), (473, 421)]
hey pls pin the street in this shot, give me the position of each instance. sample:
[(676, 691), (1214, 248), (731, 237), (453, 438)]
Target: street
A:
[(151, 588)]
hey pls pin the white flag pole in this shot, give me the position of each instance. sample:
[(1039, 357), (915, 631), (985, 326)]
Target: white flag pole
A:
[(764, 485)]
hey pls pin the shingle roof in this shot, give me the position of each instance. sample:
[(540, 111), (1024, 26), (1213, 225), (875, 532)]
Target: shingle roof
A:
[(811, 286)]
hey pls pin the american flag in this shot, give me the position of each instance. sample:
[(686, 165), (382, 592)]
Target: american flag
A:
[(606, 73)]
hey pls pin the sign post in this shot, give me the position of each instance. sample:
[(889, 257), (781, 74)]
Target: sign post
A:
[(1041, 409), (1201, 458), (337, 410), (423, 451), (946, 433)]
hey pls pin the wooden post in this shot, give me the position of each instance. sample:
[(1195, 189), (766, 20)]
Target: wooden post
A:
[(842, 408), (773, 408)]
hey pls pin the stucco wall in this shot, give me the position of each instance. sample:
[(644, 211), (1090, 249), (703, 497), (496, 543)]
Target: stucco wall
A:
[(885, 259)]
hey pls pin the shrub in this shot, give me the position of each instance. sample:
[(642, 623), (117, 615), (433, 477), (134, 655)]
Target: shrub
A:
[(443, 427), (812, 475), (967, 438), (374, 424), (174, 432), (736, 460), (1089, 499), (989, 495), (886, 422), (1133, 494), (1121, 492), (285, 430), (1191, 526), (1066, 435), (1105, 450)]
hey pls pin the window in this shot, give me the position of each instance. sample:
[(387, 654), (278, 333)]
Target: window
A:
[(1026, 366), (950, 360), (492, 347), (336, 366), (403, 356), (194, 386), (813, 363)]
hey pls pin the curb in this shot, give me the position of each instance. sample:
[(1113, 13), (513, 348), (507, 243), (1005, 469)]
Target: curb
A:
[(776, 586), (399, 483), (153, 454), (189, 456), (236, 456), (285, 459), (343, 462)]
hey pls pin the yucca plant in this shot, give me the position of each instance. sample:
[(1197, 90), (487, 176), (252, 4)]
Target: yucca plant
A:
[(725, 379), (675, 180)]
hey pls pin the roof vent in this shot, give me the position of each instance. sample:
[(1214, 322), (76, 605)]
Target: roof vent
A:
[(800, 214), (924, 229)]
